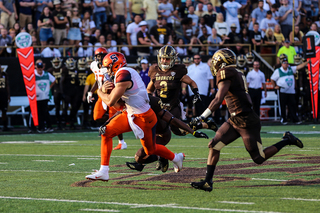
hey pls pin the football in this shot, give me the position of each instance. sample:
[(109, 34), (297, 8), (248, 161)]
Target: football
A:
[(109, 90)]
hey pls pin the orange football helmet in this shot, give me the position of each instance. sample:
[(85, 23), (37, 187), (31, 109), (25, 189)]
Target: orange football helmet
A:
[(114, 61), (101, 51)]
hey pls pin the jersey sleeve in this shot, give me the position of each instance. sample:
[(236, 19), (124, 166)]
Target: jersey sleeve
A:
[(122, 76), (225, 74), (152, 71)]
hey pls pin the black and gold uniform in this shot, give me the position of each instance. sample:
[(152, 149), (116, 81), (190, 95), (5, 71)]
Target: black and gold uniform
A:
[(4, 98)]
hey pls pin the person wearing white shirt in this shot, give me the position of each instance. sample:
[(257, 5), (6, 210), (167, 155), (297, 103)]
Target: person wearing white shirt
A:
[(232, 8), (255, 80), (283, 79), (132, 31), (200, 73), (50, 52), (268, 22), (85, 51)]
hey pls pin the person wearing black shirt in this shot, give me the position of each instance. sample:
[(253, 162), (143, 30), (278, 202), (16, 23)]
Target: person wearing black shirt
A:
[(60, 23), (256, 38), (143, 38), (160, 35)]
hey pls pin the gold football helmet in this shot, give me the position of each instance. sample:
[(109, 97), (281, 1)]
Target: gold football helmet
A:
[(222, 58), (82, 64), (89, 60), (56, 62), (71, 64), (241, 61), (298, 59), (282, 56), (249, 58), (167, 52), (187, 60), (178, 61)]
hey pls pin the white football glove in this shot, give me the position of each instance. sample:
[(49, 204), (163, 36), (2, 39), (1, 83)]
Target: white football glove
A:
[(89, 97)]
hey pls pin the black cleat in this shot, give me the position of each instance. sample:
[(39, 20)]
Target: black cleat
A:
[(135, 166), (203, 185), (164, 164), (158, 165), (292, 139), (211, 124)]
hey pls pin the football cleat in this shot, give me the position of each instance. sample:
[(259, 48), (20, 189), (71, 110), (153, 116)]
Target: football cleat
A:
[(177, 166), (158, 165), (164, 164), (120, 146), (211, 124), (135, 166), (98, 175), (292, 139), (203, 185)]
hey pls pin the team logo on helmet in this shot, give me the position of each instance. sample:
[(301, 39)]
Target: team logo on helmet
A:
[(167, 52), (221, 59)]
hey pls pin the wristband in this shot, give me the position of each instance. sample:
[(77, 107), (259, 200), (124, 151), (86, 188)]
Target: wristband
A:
[(194, 132), (90, 94), (206, 113)]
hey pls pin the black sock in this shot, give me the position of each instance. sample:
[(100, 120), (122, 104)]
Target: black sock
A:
[(281, 144), (150, 159), (209, 173)]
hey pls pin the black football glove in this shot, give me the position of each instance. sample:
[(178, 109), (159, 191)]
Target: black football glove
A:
[(195, 121), (102, 130), (200, 135), (196, 97)]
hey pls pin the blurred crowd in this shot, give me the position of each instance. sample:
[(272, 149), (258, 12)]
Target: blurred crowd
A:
[(89, 24)]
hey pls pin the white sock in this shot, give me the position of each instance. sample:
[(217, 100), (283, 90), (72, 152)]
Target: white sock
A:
[(175, 159), (104, 168), (121, 141)]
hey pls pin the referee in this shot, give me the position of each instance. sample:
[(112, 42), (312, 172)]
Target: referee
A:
[(255, 79)]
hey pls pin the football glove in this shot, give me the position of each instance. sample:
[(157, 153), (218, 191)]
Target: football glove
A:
[(196, 97), (102, 130), (200, 135), (195, 121), (89, 97)]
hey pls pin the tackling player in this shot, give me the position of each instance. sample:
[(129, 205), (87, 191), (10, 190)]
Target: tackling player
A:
[(138, 117), (244, 122), (101, 76)]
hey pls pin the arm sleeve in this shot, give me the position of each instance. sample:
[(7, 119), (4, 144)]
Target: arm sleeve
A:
[(123, 76)]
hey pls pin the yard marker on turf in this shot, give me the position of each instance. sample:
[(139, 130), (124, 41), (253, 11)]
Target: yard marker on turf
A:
[(99, 210), (135, 205)]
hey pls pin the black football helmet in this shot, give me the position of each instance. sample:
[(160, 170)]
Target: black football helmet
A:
[(187, 60), (56, 62), (82, 64), (298, 59), (241, 61), (89, 60), (282, 56), (221, 59), (249, 58), (71, 64), (167, 52)]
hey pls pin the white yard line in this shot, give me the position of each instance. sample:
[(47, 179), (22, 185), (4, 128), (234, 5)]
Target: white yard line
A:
[(233, 202), (301, 199), (44, 160), (3, 162), (135, 205), (268, 179), (99, 210)]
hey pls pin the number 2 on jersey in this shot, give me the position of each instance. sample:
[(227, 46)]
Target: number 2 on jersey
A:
[(163, 89)]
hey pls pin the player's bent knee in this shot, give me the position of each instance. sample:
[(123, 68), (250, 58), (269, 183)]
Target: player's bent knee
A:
[(257, 158)]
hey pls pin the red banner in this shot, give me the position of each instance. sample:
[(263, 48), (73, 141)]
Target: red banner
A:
[(26, 59), (314, 81)]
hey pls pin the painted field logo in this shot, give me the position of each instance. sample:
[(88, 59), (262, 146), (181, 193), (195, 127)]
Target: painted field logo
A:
[(23, 40)]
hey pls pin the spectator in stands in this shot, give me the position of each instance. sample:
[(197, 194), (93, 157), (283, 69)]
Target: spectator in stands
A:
[(87, 25), (119, 10), (94, 38), (36, 50), (144, 71), (132, 31), (50, 52), (16, 27), (87, 6), (115, 33), (202, 23), (296, 38), (4, 97), (9, 13), (181, 50), (256, 38), (307, 10), (65, 49), (25, 12), (287, 50), (210, 16), (45, 23), (160, 35), (267, 4), (214, 39), (135, 8), (234, 37), (232, 8), (269, 38), (283, 79), (256, 79), (85, 49), (245, 7), (201, 74), (44, 82), (74, 32), (60, 22), (195, 20), (150, 8), (40, 5), (314, 12), (105, 29), (99, 12), (257, 15), (101, 42), (221, 26), (245, 39), (183, 12), (123, 33), (204, 38), (268, 22), (200, 11), (285, 13), (275, 13), (5, 40), (316, 5), (187, 29), (143, 38), (166, 9), (277, 33), (195, 46), (244, 22)]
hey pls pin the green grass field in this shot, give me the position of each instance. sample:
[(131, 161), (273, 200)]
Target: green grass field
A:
[(46, 173)]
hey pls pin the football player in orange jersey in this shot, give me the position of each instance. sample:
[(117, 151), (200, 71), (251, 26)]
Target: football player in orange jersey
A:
[(101, 75), (129, 90)]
